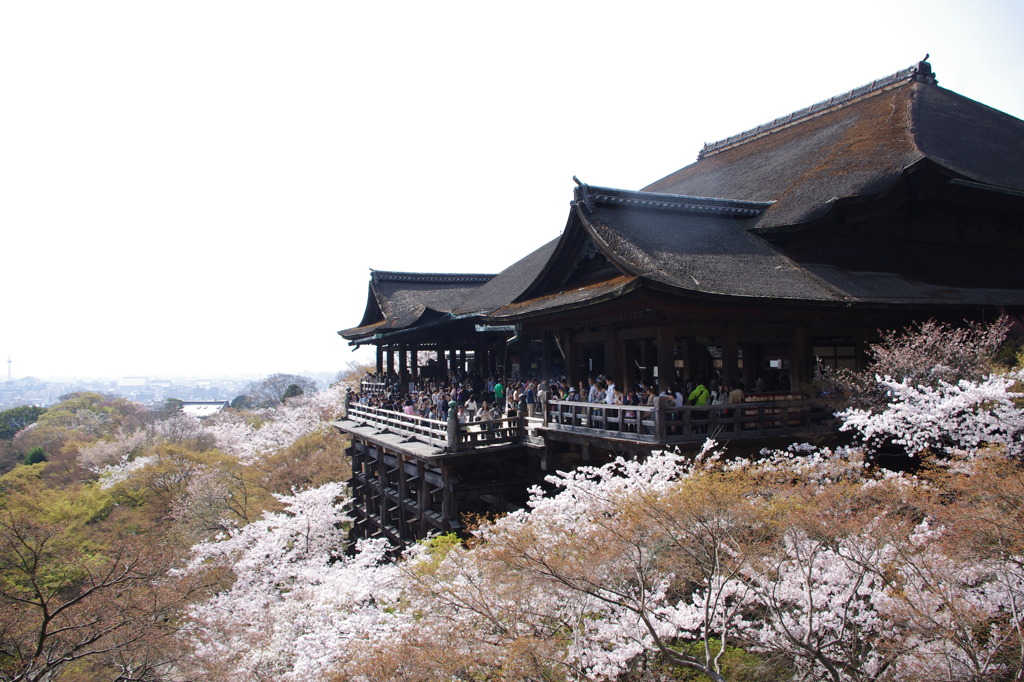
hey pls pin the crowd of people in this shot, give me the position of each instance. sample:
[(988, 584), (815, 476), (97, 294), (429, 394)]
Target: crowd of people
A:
[(481, 399)]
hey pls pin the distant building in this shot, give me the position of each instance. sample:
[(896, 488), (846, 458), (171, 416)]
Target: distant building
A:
[(203, 408)]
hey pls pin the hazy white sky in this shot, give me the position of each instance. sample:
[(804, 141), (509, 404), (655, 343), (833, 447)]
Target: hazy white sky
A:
[(201, 187)]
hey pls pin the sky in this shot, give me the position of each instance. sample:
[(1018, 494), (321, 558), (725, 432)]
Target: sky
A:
[(201, 188)]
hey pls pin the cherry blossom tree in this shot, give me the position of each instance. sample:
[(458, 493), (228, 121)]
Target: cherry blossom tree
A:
[(295, 601), (966, 415), (925, 354), (251, 435)]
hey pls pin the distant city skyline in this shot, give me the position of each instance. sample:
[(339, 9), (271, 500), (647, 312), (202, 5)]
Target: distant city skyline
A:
[(143, 389), (201, 189), (243, 376)]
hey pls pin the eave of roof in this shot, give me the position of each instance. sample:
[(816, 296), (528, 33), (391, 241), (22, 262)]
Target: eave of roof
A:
[(355, 333), (561, 301)]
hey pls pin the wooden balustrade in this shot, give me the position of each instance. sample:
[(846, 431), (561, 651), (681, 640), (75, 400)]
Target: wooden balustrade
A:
[(435, 432), (631, 422), (372, 386), (677, 424)]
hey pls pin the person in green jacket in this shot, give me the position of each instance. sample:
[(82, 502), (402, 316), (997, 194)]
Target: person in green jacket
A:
[(699, 395), (499, 394)]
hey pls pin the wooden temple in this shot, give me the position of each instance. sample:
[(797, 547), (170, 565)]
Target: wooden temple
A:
[(781, 249)]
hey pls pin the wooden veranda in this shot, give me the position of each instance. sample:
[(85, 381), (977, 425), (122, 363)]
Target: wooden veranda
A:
[(413, 476)]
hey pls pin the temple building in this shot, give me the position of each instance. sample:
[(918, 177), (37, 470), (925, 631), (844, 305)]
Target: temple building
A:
[(781, 249)]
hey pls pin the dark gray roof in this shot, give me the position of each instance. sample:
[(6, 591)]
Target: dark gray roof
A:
[(686, 247), (399, 300), (678, 244), (860, 144), (698, 231), (509, 284), (890, 288)]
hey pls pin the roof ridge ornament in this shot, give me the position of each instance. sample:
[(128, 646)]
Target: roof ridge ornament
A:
[(921, 72)]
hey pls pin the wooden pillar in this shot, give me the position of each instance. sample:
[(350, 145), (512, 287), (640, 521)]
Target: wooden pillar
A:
[(749, 367), (415, 361), (454, 428), (611, 364), (730, 355), (546, 366), (403, 493), (625, 375), (382, 486), (380, 359), (690, 369), (424, 498), (571, 359), (449, 510), (798, 358), (403, 366), (666, 357), (440, 364), (391, 360), (647, 355)]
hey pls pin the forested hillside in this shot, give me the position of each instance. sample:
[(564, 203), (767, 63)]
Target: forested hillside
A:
[(94, 532), (151, 546)]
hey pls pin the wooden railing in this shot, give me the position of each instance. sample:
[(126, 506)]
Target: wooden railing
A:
[(630, 422), (678, 424), (432, 431), (372, 386), (449, 435)]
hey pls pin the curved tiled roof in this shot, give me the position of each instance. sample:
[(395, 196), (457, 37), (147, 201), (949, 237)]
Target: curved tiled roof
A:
[(697, 251), (399, 300)]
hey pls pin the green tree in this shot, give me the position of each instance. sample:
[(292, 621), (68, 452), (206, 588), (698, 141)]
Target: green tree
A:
[(34, 456), (83, 583), (241, 402), (172, 405), (292, 391), (17, 418)]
